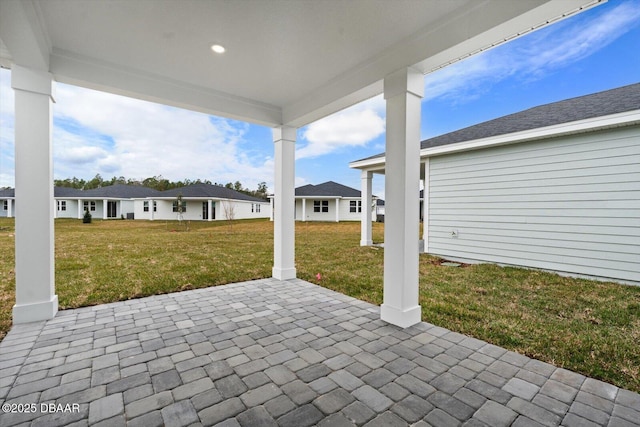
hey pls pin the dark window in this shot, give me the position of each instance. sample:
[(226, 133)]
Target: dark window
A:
[(321, 206)]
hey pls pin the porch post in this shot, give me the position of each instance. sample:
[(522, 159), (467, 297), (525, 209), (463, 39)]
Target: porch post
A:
[(104, 209), (80, 211), (337, 210), (151, 209), (271, 208), (366, 238), (9, 208), (209, 210), (34, 237), (425, 206), (304, 209), (403, 91), (284, 138)]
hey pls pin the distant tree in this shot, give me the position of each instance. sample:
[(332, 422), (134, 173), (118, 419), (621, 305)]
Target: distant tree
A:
[(95, 182), (262, 190)]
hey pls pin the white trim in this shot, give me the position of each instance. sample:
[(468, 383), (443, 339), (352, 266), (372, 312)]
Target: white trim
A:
[(627, 118)]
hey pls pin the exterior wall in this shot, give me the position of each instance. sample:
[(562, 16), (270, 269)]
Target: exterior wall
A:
[(71, 210), (3, 213), (126, 206), (568, 204), (242, 210), (344, 207)]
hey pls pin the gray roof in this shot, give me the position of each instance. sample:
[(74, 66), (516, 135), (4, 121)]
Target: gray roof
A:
[(7, 192), (619, 100), (208, 190), (327, 189), (67, 192), (119, 191)]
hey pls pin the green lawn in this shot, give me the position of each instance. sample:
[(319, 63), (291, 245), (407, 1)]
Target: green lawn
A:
[(586, 326)]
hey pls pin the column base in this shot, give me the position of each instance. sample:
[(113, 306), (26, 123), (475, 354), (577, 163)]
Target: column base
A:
[(401, 318), (366, 242), (25, 313), (283, 273)]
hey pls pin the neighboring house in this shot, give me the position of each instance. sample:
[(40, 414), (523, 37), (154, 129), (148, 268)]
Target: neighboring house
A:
[(328, 201), (7, 202), (202, 202), (379, 210), (554, 187), (199, 202)]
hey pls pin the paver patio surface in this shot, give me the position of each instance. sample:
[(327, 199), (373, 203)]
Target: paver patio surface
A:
[(280, 353)]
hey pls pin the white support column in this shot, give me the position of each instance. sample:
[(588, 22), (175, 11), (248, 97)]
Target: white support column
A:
[(425, 206), (104, 209), (80, 210), (209, 210), (366, 238), (284, 138), (271, 209), (9, 208), (337, 210), (152, 211), (34, 237), (403, 91), (55, 208), (304, 209)]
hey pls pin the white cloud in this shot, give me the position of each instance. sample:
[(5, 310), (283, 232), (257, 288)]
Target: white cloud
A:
[(353, 127), (535, 55), (114, 135)]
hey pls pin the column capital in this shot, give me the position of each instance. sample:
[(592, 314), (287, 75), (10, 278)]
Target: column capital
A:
[(33, 80), (284, 133), (406, 80)]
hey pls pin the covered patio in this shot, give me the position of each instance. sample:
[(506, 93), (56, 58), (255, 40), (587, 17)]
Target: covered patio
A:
[(287, 353), (278, 350)]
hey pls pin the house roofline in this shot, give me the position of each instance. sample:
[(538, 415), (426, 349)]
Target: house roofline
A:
[(627, 118)]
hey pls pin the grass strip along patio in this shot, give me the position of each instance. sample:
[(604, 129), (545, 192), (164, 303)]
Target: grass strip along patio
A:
[(586, 326)]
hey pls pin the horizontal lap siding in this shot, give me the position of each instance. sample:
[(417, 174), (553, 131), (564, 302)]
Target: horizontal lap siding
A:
[(570, 204)]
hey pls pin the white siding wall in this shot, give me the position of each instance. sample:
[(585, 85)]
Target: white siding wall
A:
[(345, 215), (194, 210), (570, 204)]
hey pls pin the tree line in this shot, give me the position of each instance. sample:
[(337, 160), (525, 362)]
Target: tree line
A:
[(155, 182)]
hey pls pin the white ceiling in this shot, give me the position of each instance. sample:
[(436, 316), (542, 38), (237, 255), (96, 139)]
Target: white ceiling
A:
[(287, 61)]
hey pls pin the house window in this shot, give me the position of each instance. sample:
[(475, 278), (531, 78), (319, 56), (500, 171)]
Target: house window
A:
[(175, 206), (145, 206), (89, 206), (6, 205), (258, 207), (252, 209), (321, 206), (355, 206), (62, 205)]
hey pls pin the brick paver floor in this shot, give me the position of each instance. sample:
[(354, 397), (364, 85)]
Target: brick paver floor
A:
[(280, 353)]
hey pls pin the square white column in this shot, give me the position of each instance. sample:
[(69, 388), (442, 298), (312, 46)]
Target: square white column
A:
[(209, 209), (34, 240), (9, 208), (366, 238), (271, 209), (337, 210), (403, 91), (304, 209), (104, 209), (425, 206), (80, 210), (284, 139)]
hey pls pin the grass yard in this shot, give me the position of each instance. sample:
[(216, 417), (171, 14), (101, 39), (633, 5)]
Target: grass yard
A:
[(586, 326)]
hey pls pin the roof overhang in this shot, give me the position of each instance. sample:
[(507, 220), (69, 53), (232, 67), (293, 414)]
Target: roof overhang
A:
[(628, 118), (286, 63)]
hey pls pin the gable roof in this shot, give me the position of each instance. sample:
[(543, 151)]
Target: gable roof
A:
[(7, 192), (208, 190), (327, 189), (619, 100)]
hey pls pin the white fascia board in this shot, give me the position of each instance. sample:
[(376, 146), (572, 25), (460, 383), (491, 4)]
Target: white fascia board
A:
[(627, 118), (23, 35), (94, 74)]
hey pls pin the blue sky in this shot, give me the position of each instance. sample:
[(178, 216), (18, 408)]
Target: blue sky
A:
[(101, 133)]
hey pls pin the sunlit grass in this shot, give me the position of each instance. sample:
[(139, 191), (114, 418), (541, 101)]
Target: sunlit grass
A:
[(586, 326)]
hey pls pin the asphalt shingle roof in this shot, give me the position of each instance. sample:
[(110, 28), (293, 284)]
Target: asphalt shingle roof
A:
[(120, 191), (7, 192), (327, 189), (619, 100), (208, 190)]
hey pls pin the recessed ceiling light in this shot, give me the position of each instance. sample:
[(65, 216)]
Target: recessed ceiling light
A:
[(218, 48)]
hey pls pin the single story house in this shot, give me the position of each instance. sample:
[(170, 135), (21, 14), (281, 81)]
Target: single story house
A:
[(328, 201), (555, 187), (201, 202), (135, 201)]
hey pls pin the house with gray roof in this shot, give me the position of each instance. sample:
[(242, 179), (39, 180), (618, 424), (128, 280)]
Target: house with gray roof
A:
[(200, 202), (7, 197), (554, 187), (329, 201)]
